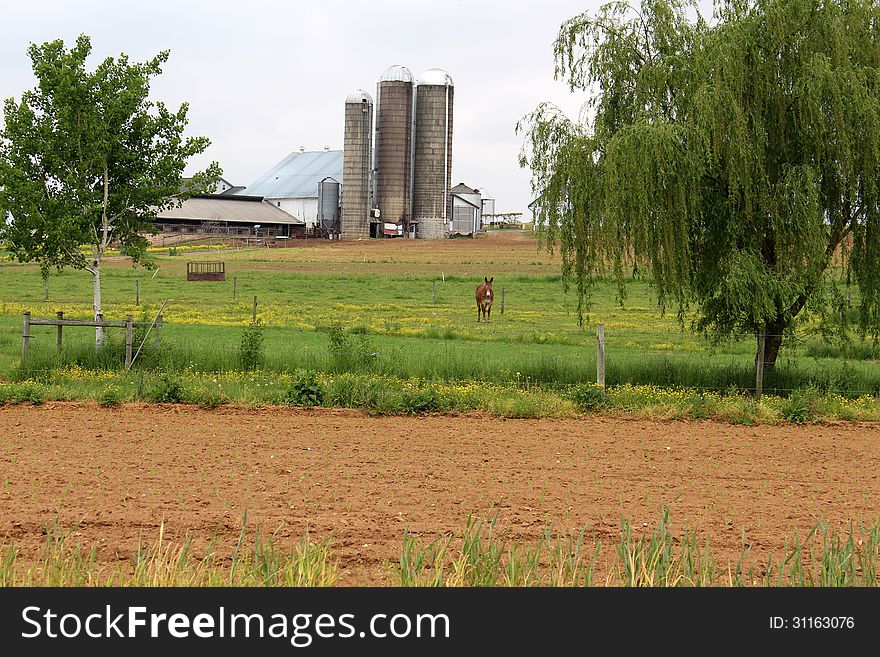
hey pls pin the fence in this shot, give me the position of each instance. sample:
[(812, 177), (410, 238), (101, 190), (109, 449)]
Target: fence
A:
[(461, 349), (206, 271), (60, 323)]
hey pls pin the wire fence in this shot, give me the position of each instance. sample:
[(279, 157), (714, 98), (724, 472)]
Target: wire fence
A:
[(527, 365)]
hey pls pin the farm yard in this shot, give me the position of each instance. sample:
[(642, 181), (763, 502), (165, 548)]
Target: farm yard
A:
[(433, 420)]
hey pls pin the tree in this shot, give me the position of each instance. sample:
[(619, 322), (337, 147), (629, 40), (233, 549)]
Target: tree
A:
[(731, 159), (87, 160)]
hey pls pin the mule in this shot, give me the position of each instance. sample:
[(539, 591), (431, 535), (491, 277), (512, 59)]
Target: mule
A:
[(484, 299)]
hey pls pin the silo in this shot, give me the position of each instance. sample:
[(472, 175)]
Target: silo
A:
[(432, 166), (328, 205), (356, 151), (394, 106)]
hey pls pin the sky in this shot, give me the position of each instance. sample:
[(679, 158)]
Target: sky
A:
[(264, 78)]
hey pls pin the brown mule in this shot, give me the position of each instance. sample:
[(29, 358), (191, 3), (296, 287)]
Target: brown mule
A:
[(484, 299)]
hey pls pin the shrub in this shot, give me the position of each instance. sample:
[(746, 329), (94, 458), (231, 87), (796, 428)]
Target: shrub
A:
[(110, 396), (168, 390), (589, 397), (799, 406), (250, 346), (304, 390)]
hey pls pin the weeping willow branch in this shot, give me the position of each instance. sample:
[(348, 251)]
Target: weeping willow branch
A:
[(728, 160)]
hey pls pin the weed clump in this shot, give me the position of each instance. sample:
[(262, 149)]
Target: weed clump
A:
[(590, 397), (304, 390), (168, 390), (110, 397)]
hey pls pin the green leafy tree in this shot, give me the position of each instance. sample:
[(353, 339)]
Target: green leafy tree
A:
[(87, 160), (730, 159)]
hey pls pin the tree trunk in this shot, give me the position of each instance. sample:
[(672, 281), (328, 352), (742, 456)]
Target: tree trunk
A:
[(100, 333), (772, 343)]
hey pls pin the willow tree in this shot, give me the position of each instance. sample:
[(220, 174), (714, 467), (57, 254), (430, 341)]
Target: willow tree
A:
[(729, 158), (87, 160)]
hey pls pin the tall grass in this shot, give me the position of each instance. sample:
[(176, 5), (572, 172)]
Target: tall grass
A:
[(338, 351), (167, 563), (658, 558), (481, 555), (656, 561)]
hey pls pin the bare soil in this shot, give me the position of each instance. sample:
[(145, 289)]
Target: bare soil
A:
[(113, 476)]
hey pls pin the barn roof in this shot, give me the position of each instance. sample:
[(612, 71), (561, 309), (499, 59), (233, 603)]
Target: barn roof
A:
[(247, 209), (298, 175)]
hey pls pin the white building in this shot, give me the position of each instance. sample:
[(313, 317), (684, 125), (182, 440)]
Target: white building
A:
[(466, 217)]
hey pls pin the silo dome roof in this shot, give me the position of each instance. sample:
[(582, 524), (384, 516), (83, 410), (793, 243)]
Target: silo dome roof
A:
[(359, 96), (436, 76), (396, 73)]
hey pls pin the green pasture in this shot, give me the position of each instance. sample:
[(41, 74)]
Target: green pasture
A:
[(409, 317)]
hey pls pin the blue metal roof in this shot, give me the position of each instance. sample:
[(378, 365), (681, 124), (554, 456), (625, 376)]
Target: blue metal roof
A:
[(297, 175)]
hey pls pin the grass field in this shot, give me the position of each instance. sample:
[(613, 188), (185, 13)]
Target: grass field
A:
[(406, 310)]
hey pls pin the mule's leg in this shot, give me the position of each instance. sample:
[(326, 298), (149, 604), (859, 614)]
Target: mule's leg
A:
[(489, 313), (478, 312)]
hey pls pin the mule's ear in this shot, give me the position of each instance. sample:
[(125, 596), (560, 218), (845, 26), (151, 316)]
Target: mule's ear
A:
[(491, 279), (485, 279)]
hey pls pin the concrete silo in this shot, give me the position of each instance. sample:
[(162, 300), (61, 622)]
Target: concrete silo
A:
[(432, 166), (356, 165), (394, 108)]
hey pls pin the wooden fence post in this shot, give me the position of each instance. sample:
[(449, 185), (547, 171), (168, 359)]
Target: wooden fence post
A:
[(25, 335), (759, 364), (600, 354), (128, 340), (60, 316)]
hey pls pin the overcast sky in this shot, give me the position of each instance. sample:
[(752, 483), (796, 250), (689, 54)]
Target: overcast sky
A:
[(264, 78)]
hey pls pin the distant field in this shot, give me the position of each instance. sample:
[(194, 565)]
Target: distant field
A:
[(413, 303)]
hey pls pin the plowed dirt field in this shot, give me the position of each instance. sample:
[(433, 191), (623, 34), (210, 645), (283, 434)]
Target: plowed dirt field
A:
[(113, 476)]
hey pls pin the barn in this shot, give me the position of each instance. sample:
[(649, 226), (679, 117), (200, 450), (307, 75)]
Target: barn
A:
[(229, 215), (292, 184)]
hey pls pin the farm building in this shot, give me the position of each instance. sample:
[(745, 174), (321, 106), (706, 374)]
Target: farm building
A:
[(234, 215), (292, 184), (467, 210), (223, 186), (226, 187)]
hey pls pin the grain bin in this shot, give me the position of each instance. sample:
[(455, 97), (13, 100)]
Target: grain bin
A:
[(356, 164), (432, 166), (328, 205), (394, 124)]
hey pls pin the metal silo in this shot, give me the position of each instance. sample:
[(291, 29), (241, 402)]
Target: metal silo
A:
[(394, 107), (328, 205), (356, 151), (432, 166)]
